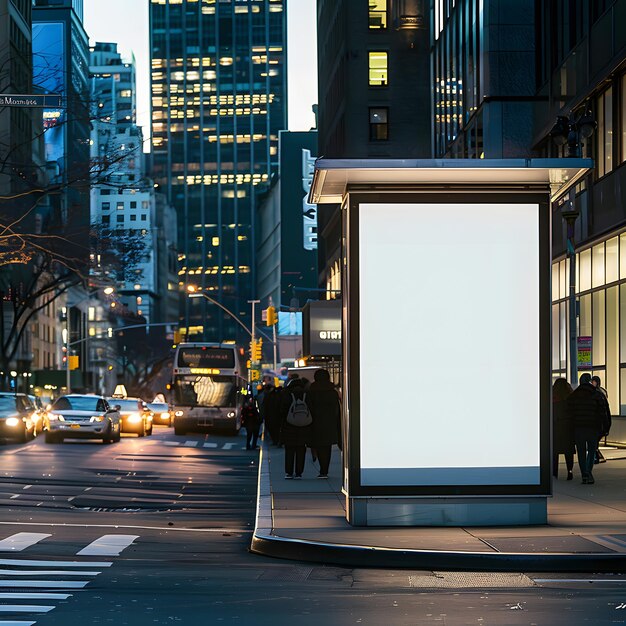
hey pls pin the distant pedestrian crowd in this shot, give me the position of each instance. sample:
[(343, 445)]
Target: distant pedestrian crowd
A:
[(581, 418), (297, 416)]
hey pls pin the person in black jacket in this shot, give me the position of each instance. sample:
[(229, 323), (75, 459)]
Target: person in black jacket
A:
[(562, 430), (586, 410), (251, 420), (294, 438), (596, 381), (271, 404), (323, 401)]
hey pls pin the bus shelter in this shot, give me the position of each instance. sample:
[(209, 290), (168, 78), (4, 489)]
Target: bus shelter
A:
[(446, 281)]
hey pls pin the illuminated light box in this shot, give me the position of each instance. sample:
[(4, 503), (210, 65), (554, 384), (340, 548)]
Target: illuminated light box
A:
[(446, 336), (449, 311)]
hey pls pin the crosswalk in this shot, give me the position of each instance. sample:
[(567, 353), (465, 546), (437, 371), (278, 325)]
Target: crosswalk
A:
[(29, 586), (191, 443)]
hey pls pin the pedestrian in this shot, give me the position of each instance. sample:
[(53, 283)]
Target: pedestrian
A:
[(323, 401), (562, 430), (596, 381), (251, 420), (271, 406), (295, 438), (587, 413)]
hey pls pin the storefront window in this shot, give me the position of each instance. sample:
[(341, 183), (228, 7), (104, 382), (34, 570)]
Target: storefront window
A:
[(585, 270), (555, 338), (622, 255), (612, 344), (555, 282), (612, 260), (598, 346), (563, 328), (563, 275), (597, 265)]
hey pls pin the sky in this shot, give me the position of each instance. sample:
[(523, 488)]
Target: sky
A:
[(125, 22)]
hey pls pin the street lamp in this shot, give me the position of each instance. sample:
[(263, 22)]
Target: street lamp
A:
[(573, 130), (195, 294), (68, 385)]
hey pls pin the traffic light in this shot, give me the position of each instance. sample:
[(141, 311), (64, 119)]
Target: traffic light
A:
[(272, 318), (256, 350)]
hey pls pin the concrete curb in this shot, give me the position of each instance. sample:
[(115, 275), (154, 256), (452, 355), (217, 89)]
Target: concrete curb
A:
[(266, 543)]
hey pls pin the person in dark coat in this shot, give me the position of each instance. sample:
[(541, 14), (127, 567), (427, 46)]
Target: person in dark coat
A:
[(271, 404), (596, 381), (562, 430), (251, 420), (586, 410), (294, 438), (323, 402)]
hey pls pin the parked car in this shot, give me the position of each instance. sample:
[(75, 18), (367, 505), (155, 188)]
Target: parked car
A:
[(78, 416), (17, 417), (135, 415), (161, 413)]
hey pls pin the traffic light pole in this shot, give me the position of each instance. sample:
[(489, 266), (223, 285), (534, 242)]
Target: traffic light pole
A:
[(253, 338)]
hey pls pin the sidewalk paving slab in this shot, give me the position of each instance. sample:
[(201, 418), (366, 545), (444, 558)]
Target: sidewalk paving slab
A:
[(305, 520)]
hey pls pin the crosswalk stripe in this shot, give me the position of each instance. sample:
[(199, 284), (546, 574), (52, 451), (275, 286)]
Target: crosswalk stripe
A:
[(33, 563), (21, 541), (209, 445), (229, 446), (48, 584), (108, 545), (46, 572), (191, 443), (13, 623), (24, 608), (171, 443), (35, 596)]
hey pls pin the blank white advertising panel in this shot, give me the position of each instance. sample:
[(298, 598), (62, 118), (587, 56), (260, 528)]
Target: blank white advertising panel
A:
[(449, 344)]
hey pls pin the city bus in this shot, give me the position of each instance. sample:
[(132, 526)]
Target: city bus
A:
[(208, 382)]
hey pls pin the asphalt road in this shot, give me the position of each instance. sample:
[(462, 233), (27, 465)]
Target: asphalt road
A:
[(155, 530)]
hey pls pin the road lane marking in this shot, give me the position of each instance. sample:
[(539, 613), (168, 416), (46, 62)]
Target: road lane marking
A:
[(130, 526), (46, 572), (12, 623), (191, 443), (579, 580), (21, 541), (108, 545), (47, 584), (209, 445), (24, 608), (35, 596), (229, 446), (32, 563), (171, 443), (17, 495), (26, 487)]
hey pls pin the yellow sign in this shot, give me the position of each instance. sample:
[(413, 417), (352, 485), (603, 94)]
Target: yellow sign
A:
[(255, 375), (203, 370), (74, 364)]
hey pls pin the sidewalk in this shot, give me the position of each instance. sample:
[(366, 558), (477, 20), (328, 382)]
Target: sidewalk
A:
[(305, 520)]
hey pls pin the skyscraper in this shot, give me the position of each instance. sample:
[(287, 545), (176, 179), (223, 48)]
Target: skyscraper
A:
[(218, 102)]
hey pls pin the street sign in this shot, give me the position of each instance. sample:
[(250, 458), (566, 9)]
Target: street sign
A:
[(50, 101)]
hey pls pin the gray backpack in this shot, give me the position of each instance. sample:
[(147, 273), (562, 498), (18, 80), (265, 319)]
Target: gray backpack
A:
[(299, 414)]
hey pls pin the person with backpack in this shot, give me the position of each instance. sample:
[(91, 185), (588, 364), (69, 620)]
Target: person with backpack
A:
[(323, 401), (295, 430)]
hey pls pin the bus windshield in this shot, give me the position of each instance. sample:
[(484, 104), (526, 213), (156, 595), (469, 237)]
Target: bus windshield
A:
[(213, 391)]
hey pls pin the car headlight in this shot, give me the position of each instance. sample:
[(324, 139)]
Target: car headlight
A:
[(12, 422), (231, 413), (165, 416), (133, 418), (178, 414), (96, 418)]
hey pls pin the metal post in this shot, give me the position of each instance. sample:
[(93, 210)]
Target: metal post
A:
[(68, 385), (252, 337), (570, 215), (275, 346)]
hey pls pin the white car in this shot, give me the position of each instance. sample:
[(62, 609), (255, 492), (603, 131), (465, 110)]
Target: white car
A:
[(82, 417)]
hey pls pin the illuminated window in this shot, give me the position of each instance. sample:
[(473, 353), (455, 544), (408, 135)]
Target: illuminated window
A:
[(605, 133), (378, 69), (215, 241), (377, 14), (379, 128)]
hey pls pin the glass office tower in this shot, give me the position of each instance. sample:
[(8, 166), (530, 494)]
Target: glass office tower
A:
[(218, 102)]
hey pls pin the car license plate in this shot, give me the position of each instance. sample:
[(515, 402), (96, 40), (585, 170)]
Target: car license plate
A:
[(75, 426)]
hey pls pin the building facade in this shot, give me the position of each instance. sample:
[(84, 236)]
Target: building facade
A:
[(582, 70), (374, 95), (218, 102)]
